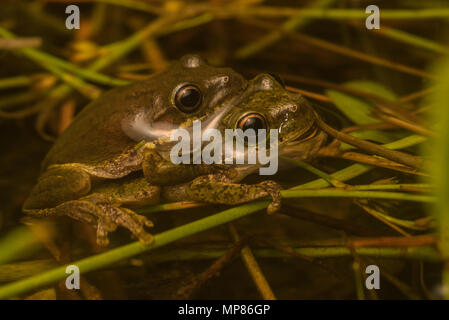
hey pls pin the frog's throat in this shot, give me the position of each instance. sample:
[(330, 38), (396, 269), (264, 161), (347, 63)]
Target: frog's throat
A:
[(138, 128)]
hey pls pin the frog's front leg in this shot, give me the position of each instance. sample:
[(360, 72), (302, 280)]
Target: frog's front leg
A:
[(161, 172), (208, 183), (219, 188)]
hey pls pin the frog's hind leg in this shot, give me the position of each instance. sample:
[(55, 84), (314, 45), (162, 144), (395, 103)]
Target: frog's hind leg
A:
[(83, 211), (103, 212), (56, 194), (67, 191), (58, 185)]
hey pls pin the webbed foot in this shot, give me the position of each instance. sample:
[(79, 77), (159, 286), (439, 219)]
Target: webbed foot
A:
[(217, 188), (273, 189)]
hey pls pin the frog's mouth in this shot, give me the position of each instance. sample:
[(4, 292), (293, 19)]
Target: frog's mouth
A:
[(301, 137), (304, 145)]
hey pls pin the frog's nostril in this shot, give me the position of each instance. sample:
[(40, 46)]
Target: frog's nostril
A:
[(289, 108)]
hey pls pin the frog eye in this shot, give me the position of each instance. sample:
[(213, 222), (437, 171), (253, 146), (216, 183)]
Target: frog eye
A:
[(188, 98), (253, 121)]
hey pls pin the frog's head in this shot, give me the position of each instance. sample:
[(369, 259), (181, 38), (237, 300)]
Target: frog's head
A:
[(188, 90), (266, 104)]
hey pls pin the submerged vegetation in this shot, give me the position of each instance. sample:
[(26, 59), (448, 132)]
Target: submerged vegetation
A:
[(375, 195)]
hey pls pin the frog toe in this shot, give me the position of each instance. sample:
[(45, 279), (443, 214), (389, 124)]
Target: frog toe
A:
[(130, 220), (136, 224), (117, 216), (104, 226), (273, 207), (145, 237), (142, 220), (102, 234), (274, 190)]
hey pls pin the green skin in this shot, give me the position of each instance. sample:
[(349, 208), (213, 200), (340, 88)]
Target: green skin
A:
[(104, 164)]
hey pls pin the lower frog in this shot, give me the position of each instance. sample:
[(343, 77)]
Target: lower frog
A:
[(113, 157)]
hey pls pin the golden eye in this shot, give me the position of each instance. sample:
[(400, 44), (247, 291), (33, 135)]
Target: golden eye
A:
[(188, 98), (254, 121)]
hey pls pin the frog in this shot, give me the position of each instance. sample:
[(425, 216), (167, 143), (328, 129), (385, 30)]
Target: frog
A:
[(113, 158)]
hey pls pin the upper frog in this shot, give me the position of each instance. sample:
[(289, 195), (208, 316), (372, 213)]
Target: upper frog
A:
[(120, 118), (113, 157)]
